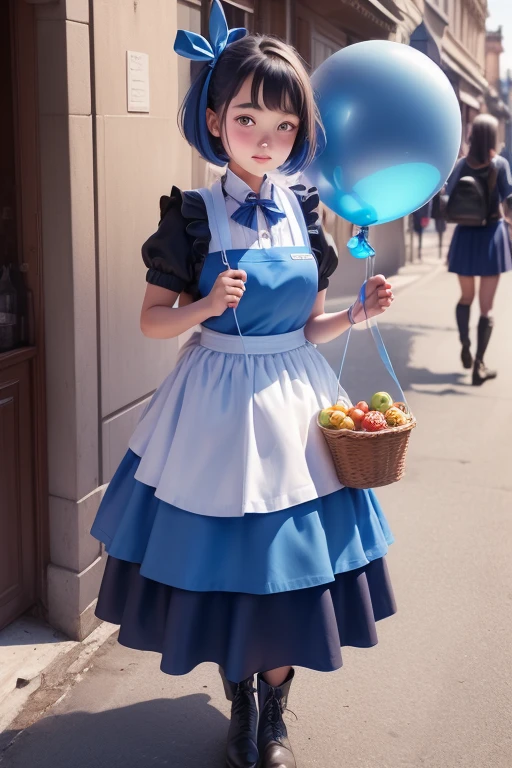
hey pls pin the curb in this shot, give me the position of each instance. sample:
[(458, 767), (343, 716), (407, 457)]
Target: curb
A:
[(25, 705)]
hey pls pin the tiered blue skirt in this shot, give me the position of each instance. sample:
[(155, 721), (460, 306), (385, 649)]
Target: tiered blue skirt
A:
[(250, 593)]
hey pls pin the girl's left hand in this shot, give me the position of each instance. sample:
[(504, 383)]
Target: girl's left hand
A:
[(379, 296)]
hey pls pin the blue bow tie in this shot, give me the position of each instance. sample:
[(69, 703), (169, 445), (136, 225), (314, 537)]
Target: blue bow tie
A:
[(247, 213)]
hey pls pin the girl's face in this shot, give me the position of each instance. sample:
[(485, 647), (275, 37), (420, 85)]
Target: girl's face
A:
[(257, 139)]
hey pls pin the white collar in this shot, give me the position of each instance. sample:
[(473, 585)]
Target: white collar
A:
[(238, 189)]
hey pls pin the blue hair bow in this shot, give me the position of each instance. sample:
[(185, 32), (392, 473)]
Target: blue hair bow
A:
[(197, 48)]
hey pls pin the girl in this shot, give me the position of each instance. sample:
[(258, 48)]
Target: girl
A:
[(230, 538), (481, 251)]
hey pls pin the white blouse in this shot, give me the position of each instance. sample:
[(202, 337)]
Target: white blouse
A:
[(280, 234)]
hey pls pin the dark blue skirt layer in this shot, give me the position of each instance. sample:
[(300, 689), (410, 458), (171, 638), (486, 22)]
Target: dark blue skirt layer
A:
[(245, 633), (480, 251)]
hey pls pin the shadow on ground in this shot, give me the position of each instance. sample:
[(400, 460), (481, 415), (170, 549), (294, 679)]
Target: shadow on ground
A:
[(364, 373), (183, 733)]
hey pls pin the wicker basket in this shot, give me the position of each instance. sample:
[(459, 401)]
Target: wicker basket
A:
[(369, 459)]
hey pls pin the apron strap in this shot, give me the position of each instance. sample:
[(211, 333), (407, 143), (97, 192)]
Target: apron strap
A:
[(220, 234), (221, 217), (218, 221), (296, 221)]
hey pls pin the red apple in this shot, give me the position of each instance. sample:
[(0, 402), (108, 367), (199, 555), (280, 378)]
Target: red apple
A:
[(362, 405), (357, 415)]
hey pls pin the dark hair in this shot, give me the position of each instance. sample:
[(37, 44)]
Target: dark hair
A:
[(484, 137), (278, 71)]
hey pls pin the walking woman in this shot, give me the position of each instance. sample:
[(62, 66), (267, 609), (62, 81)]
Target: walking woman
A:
[(480, 251)]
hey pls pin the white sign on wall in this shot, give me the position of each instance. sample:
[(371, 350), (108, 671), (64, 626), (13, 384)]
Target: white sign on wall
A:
[(137, 78)]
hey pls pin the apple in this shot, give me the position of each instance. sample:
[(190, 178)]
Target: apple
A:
[(357, 415), (374, 421), (381, 401), (325, 417), (362, 405)]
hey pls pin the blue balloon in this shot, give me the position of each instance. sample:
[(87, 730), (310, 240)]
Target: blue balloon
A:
[(393, 128)]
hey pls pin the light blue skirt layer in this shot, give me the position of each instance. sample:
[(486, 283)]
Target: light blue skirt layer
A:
[(295, 548)]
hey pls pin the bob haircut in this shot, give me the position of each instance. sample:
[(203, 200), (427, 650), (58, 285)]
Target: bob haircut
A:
[(484, 137), (279, 73)]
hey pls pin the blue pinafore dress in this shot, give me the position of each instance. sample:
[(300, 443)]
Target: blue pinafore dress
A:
[(229, 536)]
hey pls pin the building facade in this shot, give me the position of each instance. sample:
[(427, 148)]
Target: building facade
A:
[(464, 58), (89, 144), (497, 93)]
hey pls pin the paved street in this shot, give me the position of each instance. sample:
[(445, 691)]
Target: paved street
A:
[(437, 690)]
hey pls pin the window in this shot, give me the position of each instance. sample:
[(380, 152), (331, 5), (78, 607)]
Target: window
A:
[(321, 48), (452, 13), (458, 20), (239, 13), (465, 28), (188, 17)]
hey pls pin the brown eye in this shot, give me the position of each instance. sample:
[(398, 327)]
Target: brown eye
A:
[(245, 120), (286, 127)]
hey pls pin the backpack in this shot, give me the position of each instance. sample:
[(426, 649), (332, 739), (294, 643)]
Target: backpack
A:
[(470, 201)]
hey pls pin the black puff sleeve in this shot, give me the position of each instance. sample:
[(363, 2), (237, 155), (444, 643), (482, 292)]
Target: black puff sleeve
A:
[(322, 245), (175, 254)]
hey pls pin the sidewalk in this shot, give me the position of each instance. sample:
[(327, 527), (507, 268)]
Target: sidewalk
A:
[(437, 690), (31, 652), (37, 665)]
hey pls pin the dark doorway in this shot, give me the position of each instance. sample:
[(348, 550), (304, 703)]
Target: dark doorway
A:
[(23, 539)]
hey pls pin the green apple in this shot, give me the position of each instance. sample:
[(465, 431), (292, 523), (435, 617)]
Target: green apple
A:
[(325, 417), (381, 401)]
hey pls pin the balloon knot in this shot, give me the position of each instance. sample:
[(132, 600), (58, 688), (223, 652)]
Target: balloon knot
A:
[(359, 246)]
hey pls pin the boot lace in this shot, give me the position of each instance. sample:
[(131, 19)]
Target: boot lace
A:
[(242, 705), (276, 709)]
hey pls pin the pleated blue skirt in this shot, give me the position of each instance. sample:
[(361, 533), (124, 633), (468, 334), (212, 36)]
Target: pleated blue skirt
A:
[(480, 251)]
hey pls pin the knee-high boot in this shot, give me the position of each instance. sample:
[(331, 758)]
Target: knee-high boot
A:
[(273, 744), (480, 372), (242, 749), (462, 312)]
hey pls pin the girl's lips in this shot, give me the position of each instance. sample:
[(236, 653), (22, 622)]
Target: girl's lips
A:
[(261, 158)]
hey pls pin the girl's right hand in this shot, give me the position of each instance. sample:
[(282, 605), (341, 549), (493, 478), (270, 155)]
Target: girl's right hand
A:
[(227, 291)]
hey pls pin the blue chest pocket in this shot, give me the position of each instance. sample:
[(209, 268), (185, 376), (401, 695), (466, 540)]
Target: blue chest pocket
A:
[(281, 288)]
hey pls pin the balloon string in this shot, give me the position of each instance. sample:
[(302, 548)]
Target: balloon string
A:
[(375, 334)]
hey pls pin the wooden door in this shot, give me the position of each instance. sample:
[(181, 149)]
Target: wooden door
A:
[(24, 546), (17, 539)]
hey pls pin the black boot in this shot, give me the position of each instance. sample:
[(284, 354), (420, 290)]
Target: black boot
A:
[(273, 745), (242, 749), (462, 314), (480, 372)]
